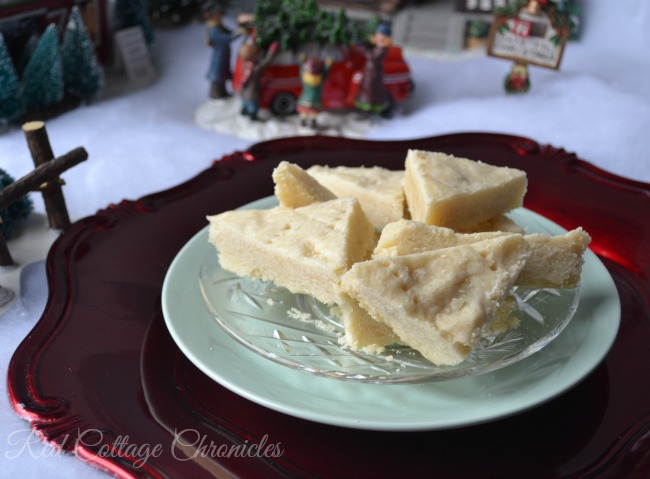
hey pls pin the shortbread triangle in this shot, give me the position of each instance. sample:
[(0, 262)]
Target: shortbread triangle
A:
[(294, 187), (439, 301), (554, 261), (305, 250), (459, 193), (379, 190)]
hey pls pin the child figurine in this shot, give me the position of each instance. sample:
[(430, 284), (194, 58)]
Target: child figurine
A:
[(517, 81), (313, 72), (218, 37), (373, 97), (251, 73)]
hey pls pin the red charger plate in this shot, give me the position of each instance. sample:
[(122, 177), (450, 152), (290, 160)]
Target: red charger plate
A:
[(100, 364)]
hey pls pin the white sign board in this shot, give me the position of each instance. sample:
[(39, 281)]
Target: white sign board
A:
[(133, 53)]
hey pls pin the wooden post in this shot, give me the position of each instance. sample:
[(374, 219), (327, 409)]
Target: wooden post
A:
[(33, 181), (44, 178), (39, 146), (41, 174)]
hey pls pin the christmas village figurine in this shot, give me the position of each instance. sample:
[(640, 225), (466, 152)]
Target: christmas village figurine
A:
[(252, 68), (517, 81), (219, 38), (313, 72), (373, 96), (528, 33)]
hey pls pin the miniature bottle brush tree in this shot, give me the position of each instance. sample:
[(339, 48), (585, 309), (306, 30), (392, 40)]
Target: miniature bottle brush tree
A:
[(43, 76), (54, 73), (83, 75), (12, 105), (16, 212)]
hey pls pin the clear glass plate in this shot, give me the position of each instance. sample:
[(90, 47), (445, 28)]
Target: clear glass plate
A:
[(301, 333)]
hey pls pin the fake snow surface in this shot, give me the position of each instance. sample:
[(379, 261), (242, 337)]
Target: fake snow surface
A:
[(32, 239), (223, 116)]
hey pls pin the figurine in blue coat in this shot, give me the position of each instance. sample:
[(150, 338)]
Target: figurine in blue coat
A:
[(218, 37)]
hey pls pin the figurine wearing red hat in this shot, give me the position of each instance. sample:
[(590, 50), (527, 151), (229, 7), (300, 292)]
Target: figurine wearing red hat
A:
[(313, 72)]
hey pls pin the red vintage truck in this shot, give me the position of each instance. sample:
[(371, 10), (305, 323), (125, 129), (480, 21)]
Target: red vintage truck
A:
[(280, 82)]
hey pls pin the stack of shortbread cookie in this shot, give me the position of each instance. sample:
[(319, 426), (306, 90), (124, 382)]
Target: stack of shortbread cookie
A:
[(424, 256)]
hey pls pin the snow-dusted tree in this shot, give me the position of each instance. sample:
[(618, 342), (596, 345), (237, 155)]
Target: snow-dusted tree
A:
[(133, 13), (28, 51), (15, 213), (11, 99), (43, 76), (83, 75)]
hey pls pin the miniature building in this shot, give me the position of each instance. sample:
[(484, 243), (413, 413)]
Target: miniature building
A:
[(428, 27), (445, 25), (361, 9), (451, 26), (473, 19), (23, 21)]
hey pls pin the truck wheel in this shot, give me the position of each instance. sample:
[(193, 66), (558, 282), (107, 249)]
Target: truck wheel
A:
[(283, 104)]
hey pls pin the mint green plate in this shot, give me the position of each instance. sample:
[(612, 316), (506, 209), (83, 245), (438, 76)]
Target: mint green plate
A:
[(573, 354)]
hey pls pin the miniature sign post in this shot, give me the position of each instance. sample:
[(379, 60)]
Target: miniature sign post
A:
[(133, 52), (529, 33), (44, 178)]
